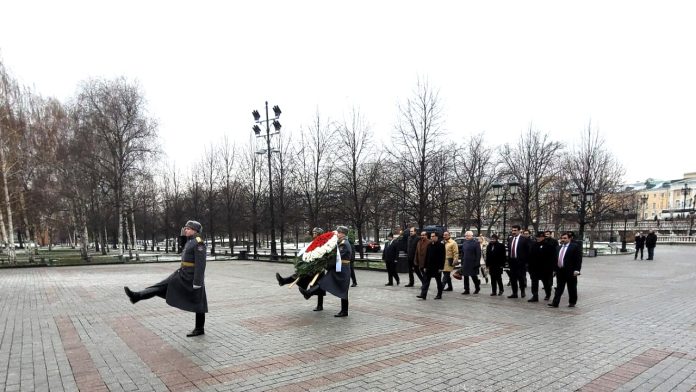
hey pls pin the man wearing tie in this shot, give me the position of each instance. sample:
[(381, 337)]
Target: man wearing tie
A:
[(567, 269), (518, 256)]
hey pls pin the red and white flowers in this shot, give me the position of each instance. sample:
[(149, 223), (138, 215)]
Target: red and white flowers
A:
[(321, 246)]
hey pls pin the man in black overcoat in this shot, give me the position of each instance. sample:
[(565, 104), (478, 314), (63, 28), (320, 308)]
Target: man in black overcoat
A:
[(567, 268), (434, 263), (389, 256), (185, 288), (541, 262)]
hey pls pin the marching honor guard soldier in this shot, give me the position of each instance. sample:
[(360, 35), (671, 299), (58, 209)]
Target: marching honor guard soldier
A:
[(303, 281), (185, 288), (337, 279)]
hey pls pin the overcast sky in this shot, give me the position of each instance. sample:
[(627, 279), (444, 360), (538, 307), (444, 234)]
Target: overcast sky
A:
[(626, 67)]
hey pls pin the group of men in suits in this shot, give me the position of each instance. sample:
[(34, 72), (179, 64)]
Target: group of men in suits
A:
[(543, 259)]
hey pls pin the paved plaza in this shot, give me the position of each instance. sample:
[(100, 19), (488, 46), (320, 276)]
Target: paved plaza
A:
[(72, 328)]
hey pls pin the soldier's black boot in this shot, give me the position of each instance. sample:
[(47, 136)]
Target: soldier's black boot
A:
[(283, 281), (344, 309), (308, 293), (320, 303), (134, 297), (147, 293), (200, 324)]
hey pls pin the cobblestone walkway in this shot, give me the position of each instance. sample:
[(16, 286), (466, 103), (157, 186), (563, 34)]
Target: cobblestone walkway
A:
[(69, 329)]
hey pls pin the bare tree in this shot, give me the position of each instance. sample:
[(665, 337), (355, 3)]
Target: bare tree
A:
[(315, 169), (592, 168), (231, 187), (419, 141), (358, 172), (532, 162), (116, 111), (475, 169), (210, 167)]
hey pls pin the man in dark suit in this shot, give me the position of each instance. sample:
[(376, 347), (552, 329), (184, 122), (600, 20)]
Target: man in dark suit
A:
[(389, 256), (567, 269), (518, 256)]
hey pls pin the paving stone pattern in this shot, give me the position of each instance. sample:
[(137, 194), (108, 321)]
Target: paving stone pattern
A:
[(72, 328)]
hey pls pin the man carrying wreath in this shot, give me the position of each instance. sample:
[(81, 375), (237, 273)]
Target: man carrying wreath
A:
[(337, 279), (303, 280)]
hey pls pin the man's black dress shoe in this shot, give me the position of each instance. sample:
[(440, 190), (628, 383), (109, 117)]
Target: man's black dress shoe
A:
[(533, 299), (552, 305), (409, 285), (448, 289), (571, 305), (341, 314), (420, 296), (353, 285), (512, 296), (389, 284), (195, 332), (438, 297), (318, 309), (280, 279)]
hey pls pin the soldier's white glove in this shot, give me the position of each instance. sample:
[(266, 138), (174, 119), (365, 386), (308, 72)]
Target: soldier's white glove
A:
[(576, 273), (196, 287)]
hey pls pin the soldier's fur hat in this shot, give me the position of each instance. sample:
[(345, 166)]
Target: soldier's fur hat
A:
[(194, 225)]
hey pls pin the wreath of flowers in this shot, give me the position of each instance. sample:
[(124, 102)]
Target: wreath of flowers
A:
[(320, 252)]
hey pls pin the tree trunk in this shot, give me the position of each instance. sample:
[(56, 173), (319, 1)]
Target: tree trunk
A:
[(135, 246), (9, 235)]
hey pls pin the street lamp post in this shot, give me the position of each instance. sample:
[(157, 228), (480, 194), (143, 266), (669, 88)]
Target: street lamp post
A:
[(268, 151), (501, 192), (644, 203), (685, 192), (611, 230), (623, 240), (582, 202)]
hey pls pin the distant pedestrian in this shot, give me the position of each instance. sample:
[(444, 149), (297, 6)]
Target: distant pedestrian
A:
[(451, 256), (389, 256), (411, 246), (484, 244), (651, 243), (640, 244), (471, 262), (434, 263), (495, 260)]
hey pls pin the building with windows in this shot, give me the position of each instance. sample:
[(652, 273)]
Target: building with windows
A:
[(660, 200)]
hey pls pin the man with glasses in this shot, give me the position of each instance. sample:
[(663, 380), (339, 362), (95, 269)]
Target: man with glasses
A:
[(185, 288)]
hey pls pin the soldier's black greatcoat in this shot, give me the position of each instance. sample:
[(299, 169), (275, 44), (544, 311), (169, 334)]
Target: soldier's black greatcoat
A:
[(179, 291), (337, 283)]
